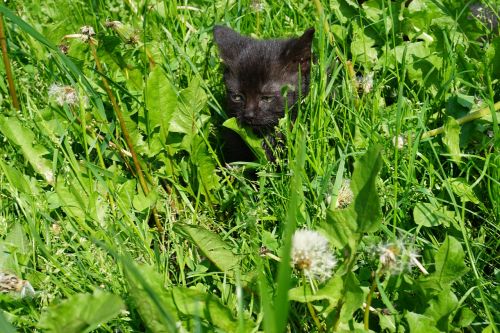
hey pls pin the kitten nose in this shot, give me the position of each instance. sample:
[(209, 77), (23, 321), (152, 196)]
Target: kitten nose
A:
[(249, 114)]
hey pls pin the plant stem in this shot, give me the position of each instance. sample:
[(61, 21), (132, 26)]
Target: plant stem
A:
[(8, 70), (366, 318), (314, 316), (126, 135), (465, 119)]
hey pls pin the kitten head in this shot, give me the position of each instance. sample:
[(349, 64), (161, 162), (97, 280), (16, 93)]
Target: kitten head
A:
[(257, 72)]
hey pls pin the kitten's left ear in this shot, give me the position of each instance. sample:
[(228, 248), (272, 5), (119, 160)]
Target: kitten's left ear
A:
[(298, 51)]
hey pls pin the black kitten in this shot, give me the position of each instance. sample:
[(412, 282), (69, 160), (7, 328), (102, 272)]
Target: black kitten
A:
[(257, 72)]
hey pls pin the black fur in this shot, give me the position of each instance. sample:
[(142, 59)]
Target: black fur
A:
[(257, 72)]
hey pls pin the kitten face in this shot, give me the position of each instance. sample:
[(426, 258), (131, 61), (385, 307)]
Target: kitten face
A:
[(263, 77)]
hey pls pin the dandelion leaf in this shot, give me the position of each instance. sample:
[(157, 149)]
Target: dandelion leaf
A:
[(5, 326), (161, 101), (252, 140), (331, 291), (212, 246), (152, 300), (429, 214), (345, 226), (449, 265), (82, 312), (451, 138), (198, 304), (420, 324), (25, 139), (441, 307)]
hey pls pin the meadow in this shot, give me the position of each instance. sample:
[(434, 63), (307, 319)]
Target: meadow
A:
[(120, 213)]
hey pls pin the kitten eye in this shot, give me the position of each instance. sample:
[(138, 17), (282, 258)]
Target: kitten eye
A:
[(236, 97), (267, 99)]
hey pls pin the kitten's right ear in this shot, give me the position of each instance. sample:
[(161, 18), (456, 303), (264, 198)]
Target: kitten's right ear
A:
[(230, 43)]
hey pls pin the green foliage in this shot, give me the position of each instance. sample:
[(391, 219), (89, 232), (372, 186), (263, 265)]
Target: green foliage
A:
[(416, 240), (82, 312)]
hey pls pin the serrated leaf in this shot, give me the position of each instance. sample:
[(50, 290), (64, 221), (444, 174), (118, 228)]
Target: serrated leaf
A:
[(449, 265), (420, 324), (465, 317), (441, 307), (5, 326), (152, 300), (353, 297), (198, 304), (15, 178), (364, 213), (212, 246), (252, 140), (205, 165), (82, 312), (161, 101), (431, 215), (142, 202), (24, 138), (451, 138), (73, 200), (331, 291), (187, 118), (463, 190)]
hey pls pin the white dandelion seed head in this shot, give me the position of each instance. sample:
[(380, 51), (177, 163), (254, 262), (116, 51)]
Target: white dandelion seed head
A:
[(311, 253), (86, 33), (65, 95), (345, 196), (365, 83), (113, 24), (399, 142), (396, 257), (257, 6)]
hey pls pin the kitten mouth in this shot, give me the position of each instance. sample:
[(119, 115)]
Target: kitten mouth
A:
[(258, 126)]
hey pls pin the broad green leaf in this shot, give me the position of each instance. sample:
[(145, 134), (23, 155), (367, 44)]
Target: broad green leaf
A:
[(161, 101), (187, 118), (451, 138), (429, 214), (387, 323), (142, 202), (17, 238), (353, 297), (463, 190), (420, 324), (331, 291), (73, 200), (82, 312), (493, 56), (151, 299), (465, 317), (441, 307), (449, 265), (16, 178), (5, 326), (212, 246), (252, 140), (362, 47), (465, 100), (344, 226), (25, 139), (205, 166), (198, 304)]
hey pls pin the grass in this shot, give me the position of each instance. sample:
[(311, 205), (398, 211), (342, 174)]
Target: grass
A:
[(197, 243)]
